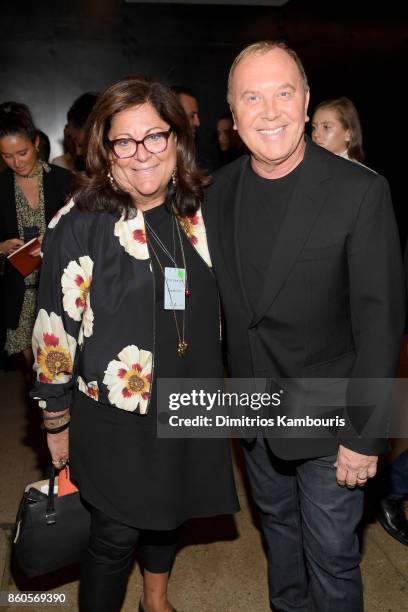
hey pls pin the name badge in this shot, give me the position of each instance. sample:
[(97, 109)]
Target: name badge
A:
[(174, 288)]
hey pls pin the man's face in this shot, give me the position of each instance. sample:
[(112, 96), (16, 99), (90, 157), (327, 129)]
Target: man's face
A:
[(77, 136), (190, 106), (269, 103)]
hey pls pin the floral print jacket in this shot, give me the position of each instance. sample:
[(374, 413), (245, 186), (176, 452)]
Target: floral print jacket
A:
[(96, 308)]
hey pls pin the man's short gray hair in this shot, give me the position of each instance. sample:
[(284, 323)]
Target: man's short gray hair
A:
[(261, 48)]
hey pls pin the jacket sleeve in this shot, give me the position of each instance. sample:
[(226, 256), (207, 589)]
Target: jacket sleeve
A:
[(377, 299), (64, 315)]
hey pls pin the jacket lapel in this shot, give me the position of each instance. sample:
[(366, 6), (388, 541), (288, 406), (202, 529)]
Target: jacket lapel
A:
[(228, 206), (308, 198), (236, 213)]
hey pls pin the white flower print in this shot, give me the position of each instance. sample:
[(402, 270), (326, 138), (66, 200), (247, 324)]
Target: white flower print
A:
[(54, 349), (76, 281), (129, 379), (132, 236), (62, 211), (90, 389), (195, 230)]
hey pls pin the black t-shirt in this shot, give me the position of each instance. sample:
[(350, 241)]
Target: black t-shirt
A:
[(263, 208)]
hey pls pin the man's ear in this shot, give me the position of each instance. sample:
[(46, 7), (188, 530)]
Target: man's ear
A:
[(307, 100), (234, 127)]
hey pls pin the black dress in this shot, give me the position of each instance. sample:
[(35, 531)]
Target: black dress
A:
[(121, 465)]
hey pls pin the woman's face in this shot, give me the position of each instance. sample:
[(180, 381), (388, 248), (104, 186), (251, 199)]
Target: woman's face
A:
[(145, 175), (19, 153), (328, 132), (224, 133)]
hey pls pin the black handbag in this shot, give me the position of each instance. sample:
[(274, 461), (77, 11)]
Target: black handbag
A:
[(50, 532)]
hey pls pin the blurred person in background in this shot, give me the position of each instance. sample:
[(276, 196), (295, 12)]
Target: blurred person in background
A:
[(336, 127), (44, 146), (73, 158), (189, 102), (31, 192), (230, 145)]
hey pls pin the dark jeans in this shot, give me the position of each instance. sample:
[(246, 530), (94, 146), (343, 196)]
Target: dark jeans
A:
[(398, 477), (309, 524), (109, 559)]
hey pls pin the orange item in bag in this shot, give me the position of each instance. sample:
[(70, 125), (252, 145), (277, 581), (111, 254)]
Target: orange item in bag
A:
[(65, 486)]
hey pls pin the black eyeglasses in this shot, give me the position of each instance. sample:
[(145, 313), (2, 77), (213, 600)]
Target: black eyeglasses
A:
[(127, 147)]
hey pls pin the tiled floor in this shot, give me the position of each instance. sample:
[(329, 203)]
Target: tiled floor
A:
[(221, 566)]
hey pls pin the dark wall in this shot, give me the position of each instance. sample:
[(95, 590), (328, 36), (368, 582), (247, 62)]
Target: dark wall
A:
[(50, 52), (56, 50)]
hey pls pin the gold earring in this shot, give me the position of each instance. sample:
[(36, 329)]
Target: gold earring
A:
[(174, 177), (111, 179)]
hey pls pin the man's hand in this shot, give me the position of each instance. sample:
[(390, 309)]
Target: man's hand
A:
[(58, 447), (354, 469)]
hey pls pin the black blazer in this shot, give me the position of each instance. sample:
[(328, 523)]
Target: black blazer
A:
[(332, 305), (57, 184)]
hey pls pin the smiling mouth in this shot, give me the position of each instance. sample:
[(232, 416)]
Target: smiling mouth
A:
[(149, 169), (270, 132)]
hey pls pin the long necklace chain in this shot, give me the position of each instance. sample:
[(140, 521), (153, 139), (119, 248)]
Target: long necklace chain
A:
[(160, 243), (167, 252), (182, 344)]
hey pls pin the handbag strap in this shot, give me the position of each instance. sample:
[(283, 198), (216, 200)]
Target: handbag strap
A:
[(50, 514)]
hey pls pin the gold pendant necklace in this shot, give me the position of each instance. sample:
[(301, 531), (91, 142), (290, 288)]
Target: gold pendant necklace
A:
[(182, 345), (182, 348)]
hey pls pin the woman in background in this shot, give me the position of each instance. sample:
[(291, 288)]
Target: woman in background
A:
[(336, 127), (31, 192), (230, 145)]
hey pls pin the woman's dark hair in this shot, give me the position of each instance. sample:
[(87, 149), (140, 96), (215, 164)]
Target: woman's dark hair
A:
[(81, 109), (349, 119), (94, 191), (44, 146), (15, 118)]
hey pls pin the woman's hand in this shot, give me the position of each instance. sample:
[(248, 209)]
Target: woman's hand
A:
[(58, 445), (9, 246), (37, 251)]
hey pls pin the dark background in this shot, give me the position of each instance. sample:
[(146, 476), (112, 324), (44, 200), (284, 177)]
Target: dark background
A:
[(52, 51)]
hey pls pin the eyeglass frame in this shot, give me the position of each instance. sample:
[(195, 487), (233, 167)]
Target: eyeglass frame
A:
[(165, 133)]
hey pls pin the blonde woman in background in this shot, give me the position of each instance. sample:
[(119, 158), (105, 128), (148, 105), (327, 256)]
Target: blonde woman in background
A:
[(336, 127)]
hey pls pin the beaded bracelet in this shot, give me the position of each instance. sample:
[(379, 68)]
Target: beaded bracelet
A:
[(55, 422), (56, 430)]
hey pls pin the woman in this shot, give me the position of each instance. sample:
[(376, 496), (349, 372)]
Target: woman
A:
[(230, 145), (31, 192), (101, 306), (336, 127)]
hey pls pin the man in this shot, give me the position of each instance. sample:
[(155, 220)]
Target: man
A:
[(189, 102), (307, 258), (74, 133)]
